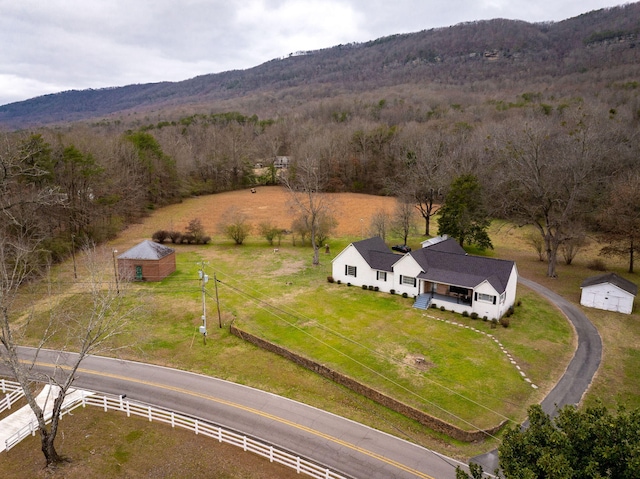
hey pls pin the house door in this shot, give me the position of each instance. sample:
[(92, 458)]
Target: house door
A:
[(138, 272)]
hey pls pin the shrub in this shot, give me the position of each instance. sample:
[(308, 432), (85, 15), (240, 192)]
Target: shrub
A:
[(392, 291), (484, 318), (370, 288), (339, 282), (519, 303), (597, 265), (194, 229), (160, 236), (348, 284), (474, 315), (494, 323), (405, 295), (376, 288), (433, 305), (442, 308), (465, 314), (188, 238), (364, 286), (504, 321), (330, 279), (205, 239), (175, 236)]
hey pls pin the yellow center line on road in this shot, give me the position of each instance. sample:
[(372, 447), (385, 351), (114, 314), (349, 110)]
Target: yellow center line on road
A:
[(253, 411)]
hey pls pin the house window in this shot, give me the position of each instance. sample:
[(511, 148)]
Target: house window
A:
[(350, 270), (487, 298), (408, 280), (382, 276)]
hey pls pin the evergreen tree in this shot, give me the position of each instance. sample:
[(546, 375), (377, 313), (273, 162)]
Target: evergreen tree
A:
[(463, 215)]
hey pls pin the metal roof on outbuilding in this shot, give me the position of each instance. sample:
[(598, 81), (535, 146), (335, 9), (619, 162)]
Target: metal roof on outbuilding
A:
[(614, 279), (148, 250)]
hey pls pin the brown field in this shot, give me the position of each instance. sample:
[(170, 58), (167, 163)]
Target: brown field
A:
[(353, 212)]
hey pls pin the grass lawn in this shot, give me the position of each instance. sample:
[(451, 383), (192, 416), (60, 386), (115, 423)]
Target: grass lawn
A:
[(373, 337)]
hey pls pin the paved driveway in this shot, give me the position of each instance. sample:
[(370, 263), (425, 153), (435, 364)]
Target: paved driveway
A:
[(579, 374)]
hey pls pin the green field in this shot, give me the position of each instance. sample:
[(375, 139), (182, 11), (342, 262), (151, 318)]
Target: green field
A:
[(373, 337)]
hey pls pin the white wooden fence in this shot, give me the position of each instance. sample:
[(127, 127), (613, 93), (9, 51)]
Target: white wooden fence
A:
[(198, 426), (12, 392)]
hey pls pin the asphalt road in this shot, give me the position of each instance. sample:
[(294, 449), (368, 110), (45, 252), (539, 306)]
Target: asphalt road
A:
[(348, 447), (579, 373), (345, 446)]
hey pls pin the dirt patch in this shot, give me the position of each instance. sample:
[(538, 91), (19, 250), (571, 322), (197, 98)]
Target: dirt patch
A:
[(418, 362), (353, 212)]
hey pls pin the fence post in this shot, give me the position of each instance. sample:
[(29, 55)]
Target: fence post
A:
[(149, 413), (4, 390), (8, 396), (173, 424), (270, 453), (196, 427)]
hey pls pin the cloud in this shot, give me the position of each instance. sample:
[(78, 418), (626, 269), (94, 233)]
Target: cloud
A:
[(76, 44)]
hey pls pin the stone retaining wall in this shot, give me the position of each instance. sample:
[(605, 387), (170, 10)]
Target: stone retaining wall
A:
[(427, 420)]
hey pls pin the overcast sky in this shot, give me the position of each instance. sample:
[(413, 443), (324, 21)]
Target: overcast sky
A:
[(48, 46)]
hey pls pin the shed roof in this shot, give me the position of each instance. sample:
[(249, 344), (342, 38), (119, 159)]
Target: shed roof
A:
[(147, 250), (614, 279)]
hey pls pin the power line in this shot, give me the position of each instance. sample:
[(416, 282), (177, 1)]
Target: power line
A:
[(258, 300)]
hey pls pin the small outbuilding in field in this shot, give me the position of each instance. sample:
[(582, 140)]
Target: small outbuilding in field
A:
[(609, 292), (147, 261)]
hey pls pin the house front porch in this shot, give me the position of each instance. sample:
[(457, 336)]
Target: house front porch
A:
[(457, 304)]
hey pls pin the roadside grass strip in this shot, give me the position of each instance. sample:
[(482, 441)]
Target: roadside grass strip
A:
[(493, 338)]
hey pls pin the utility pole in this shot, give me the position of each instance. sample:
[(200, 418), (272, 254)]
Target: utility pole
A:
[(205, 279), (215, 280), (115, 270)]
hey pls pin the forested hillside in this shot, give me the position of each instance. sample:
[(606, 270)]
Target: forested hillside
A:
[(488, 56), (544, 116)]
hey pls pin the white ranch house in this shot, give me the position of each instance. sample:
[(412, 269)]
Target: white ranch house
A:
[(439, 274), (609, 292)]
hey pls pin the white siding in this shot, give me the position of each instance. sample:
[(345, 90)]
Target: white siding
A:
[(483, 307), (608, 297), (365, 275), (406, 267)]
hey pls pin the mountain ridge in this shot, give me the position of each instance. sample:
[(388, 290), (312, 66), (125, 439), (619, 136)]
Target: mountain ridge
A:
[(460, 55)]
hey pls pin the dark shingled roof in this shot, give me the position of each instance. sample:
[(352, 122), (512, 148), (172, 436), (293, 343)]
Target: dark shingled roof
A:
[(147, 250), (461, 269), (614, 279), (376, 253), (447, 245)]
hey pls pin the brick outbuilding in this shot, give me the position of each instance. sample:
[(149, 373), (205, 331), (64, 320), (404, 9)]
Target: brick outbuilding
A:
[(147, 261)]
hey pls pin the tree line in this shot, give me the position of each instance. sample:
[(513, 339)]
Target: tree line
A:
[(567, 167)]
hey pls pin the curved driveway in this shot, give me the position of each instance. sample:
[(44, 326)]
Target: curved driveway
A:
[(348, 447), (576, 379), (345, 446)]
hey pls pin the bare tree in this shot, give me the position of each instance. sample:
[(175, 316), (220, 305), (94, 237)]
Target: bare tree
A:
[(550, 173), (83, 330), (380, 224), (423, 179), (402, 222), (306, 179), (620, 219)]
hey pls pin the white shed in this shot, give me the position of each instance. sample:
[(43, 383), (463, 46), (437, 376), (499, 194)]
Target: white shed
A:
[(609, 292)]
